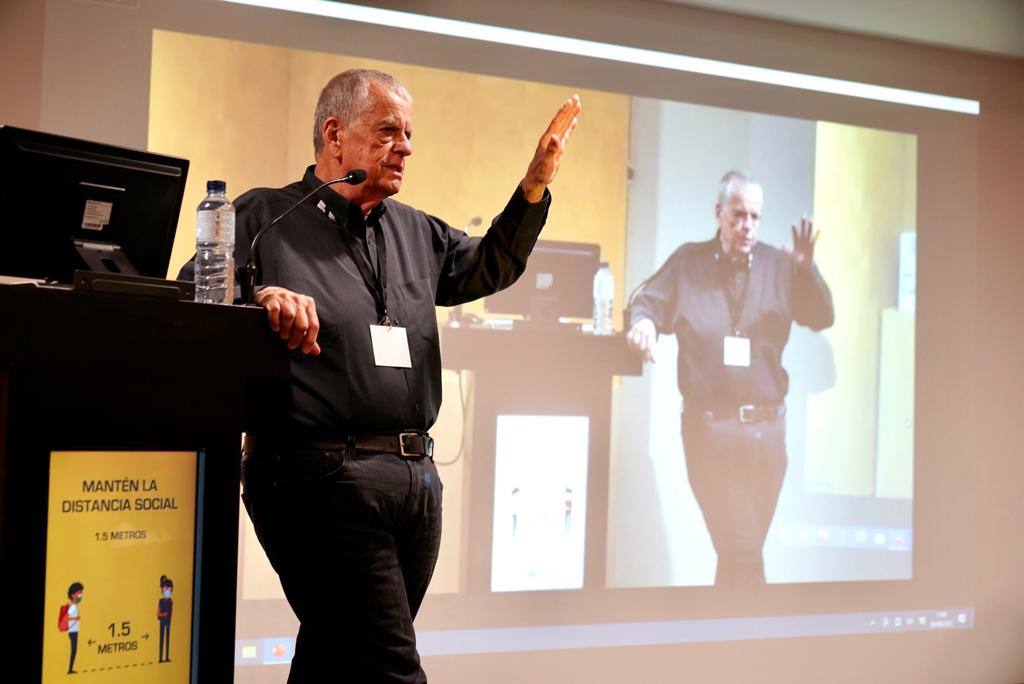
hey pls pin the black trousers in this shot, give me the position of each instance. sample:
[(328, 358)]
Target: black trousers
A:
[(165, 640), (736, 472), (354, 539), (74, 650)]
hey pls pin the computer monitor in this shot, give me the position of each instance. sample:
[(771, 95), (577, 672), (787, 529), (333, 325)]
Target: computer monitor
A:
[(73, 204), (558, 282)]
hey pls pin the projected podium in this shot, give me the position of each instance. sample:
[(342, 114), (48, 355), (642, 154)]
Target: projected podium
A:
[(549, 381), (119, 481)]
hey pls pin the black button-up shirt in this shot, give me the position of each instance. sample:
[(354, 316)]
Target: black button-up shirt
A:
[(689, 297), (313, 252)]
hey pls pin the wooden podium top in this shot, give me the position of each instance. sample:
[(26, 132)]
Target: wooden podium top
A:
[(82, 362)]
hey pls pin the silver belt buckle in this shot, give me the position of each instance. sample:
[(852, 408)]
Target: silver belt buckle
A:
[(428, 445), (745, 413), (401, 444)]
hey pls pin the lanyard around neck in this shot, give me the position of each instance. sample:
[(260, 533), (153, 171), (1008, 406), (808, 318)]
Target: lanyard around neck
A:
[(377, 283), (736, 303)]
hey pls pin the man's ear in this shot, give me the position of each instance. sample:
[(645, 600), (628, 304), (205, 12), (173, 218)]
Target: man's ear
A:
[(332, 135), (718, 211)]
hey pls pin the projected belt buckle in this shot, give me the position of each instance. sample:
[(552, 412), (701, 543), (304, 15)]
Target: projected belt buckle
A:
[(748, 413)]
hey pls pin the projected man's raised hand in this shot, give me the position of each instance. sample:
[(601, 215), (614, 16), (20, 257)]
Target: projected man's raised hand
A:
[(804, 239)]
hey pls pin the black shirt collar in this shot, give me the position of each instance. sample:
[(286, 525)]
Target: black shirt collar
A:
[(731, 262), (337, 208)]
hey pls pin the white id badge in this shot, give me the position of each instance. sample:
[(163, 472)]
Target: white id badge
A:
[(390, 346), (736, 351)]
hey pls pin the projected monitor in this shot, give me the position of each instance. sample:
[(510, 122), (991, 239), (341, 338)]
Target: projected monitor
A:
[(558, 282), (73, 204)]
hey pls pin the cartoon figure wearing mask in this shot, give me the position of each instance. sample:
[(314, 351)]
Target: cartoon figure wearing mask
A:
[(163, 614), (69, 620)]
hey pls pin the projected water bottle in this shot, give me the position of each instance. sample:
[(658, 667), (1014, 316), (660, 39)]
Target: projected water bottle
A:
[(604, 295), (215, 246)]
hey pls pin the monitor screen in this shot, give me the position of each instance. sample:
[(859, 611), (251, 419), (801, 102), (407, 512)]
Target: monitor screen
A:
[(558, 282), (73, 204)]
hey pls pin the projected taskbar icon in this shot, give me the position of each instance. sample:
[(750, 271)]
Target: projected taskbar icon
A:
[(847, 537), (921, 620), (270, 651)]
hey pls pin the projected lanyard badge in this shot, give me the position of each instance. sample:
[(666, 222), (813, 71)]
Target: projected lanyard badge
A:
[(390, 341), (735, 347)]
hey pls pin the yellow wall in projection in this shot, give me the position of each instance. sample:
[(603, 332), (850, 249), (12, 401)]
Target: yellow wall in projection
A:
[(865, 195), (248, 120)]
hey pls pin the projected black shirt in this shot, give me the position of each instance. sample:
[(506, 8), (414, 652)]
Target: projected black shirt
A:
[(313, 252), (701, 298)]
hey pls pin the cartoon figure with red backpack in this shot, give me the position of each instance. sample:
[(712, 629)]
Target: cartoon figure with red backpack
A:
[(69, 619)]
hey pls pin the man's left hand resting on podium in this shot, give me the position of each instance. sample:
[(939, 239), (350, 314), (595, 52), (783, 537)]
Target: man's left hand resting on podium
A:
[(292, 316)]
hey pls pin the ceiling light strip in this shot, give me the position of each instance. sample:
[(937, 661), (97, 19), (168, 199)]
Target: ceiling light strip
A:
[(617, 53)]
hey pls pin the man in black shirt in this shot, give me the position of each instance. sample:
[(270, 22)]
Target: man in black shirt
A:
[(337, 472), (731, 302)]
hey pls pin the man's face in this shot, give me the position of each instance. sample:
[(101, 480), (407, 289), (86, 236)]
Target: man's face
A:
[(77, 597), (739, 218), (379, 141)]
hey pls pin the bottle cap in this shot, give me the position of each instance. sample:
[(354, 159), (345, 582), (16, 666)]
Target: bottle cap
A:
[(216, 186), (604, 264)]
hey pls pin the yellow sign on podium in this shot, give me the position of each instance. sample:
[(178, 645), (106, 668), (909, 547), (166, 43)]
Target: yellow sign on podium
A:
[(120, 546)]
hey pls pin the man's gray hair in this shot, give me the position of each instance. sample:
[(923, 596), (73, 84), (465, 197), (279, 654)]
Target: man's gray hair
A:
[(731, 181), (347, 97)]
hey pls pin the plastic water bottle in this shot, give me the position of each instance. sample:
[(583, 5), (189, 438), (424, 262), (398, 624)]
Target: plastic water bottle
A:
[(604, 296), (215, 246)]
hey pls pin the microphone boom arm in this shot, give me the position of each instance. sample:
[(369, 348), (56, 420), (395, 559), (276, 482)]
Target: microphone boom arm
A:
[(248, 274)]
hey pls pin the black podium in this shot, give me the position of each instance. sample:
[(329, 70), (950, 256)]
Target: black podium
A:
[(535, 370), (84, 372)]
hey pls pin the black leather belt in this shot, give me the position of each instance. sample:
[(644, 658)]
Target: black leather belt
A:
[(405, 444), (748, 413)]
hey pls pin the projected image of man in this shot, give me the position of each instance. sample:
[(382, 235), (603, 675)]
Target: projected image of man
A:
[(731, 302), (337, 469)]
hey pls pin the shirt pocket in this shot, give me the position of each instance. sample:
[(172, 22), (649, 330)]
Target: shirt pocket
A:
[(415, 309)]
